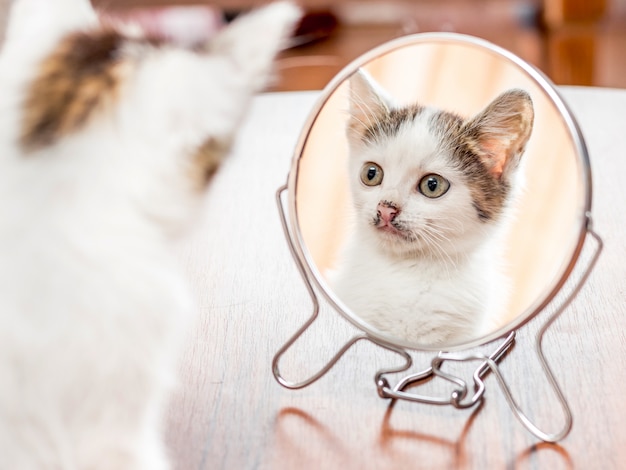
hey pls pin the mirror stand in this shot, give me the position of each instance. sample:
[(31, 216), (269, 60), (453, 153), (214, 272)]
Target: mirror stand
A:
[(458, 398), (458, 394)]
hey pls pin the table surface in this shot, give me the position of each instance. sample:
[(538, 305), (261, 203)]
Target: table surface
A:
[(230, 413)]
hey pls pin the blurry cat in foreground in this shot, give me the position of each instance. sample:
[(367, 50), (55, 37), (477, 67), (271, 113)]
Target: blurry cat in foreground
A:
[(431, 194), (107, 140)]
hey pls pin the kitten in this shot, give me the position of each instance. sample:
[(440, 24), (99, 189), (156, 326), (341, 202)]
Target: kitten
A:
[(107, 140), (431, 193)]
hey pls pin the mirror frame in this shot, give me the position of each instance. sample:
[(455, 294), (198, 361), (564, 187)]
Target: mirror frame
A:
[(553, 96)]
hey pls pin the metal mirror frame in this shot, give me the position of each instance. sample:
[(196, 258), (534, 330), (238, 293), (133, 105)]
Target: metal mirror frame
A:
[(459, 398)]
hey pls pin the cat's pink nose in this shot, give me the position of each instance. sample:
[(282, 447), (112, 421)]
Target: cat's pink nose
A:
[(387, 211)]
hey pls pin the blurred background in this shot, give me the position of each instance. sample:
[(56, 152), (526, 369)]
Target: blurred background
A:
[(575, 42)]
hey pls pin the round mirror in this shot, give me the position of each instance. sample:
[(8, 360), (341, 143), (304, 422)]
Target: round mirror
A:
[(439, 192)]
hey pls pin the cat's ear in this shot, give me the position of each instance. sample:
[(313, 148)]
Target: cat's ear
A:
[(499, 133), (253, 40), (368, 102)]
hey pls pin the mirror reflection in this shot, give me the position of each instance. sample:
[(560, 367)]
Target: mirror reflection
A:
[(439, 194)]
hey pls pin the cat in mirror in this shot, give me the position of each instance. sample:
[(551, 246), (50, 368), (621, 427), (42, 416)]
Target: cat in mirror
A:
[(431, 194), (109, 138)]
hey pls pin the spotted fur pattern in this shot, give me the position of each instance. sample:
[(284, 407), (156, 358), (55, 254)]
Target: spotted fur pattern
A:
[(72, 83), (425, 268)]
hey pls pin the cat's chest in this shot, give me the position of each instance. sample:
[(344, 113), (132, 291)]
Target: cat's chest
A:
[(370, 282), (417, 301), (412, 279)]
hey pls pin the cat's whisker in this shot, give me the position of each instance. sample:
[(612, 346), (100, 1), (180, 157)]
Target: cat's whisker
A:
[(437, 249), (360, 121), (374, 118), (443, 223), (437, 234), (436, 240), (459, 255), (367, 112), (440, 240)]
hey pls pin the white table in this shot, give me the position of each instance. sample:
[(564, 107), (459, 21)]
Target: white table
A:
[(230, 413)]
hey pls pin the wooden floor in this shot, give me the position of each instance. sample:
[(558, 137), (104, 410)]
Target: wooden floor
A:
[(580, 55)]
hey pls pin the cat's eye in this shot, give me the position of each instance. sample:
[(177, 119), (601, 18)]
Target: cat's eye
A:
[(433, 186), (371, 174)]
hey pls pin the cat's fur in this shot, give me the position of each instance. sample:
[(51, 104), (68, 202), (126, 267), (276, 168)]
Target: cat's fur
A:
[(107, 140), (427, 270)]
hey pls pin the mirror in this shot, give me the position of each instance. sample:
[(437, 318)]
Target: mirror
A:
[(439, 192)]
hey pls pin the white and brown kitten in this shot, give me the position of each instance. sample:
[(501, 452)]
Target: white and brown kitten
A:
[(107, 141), (431, 192)]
